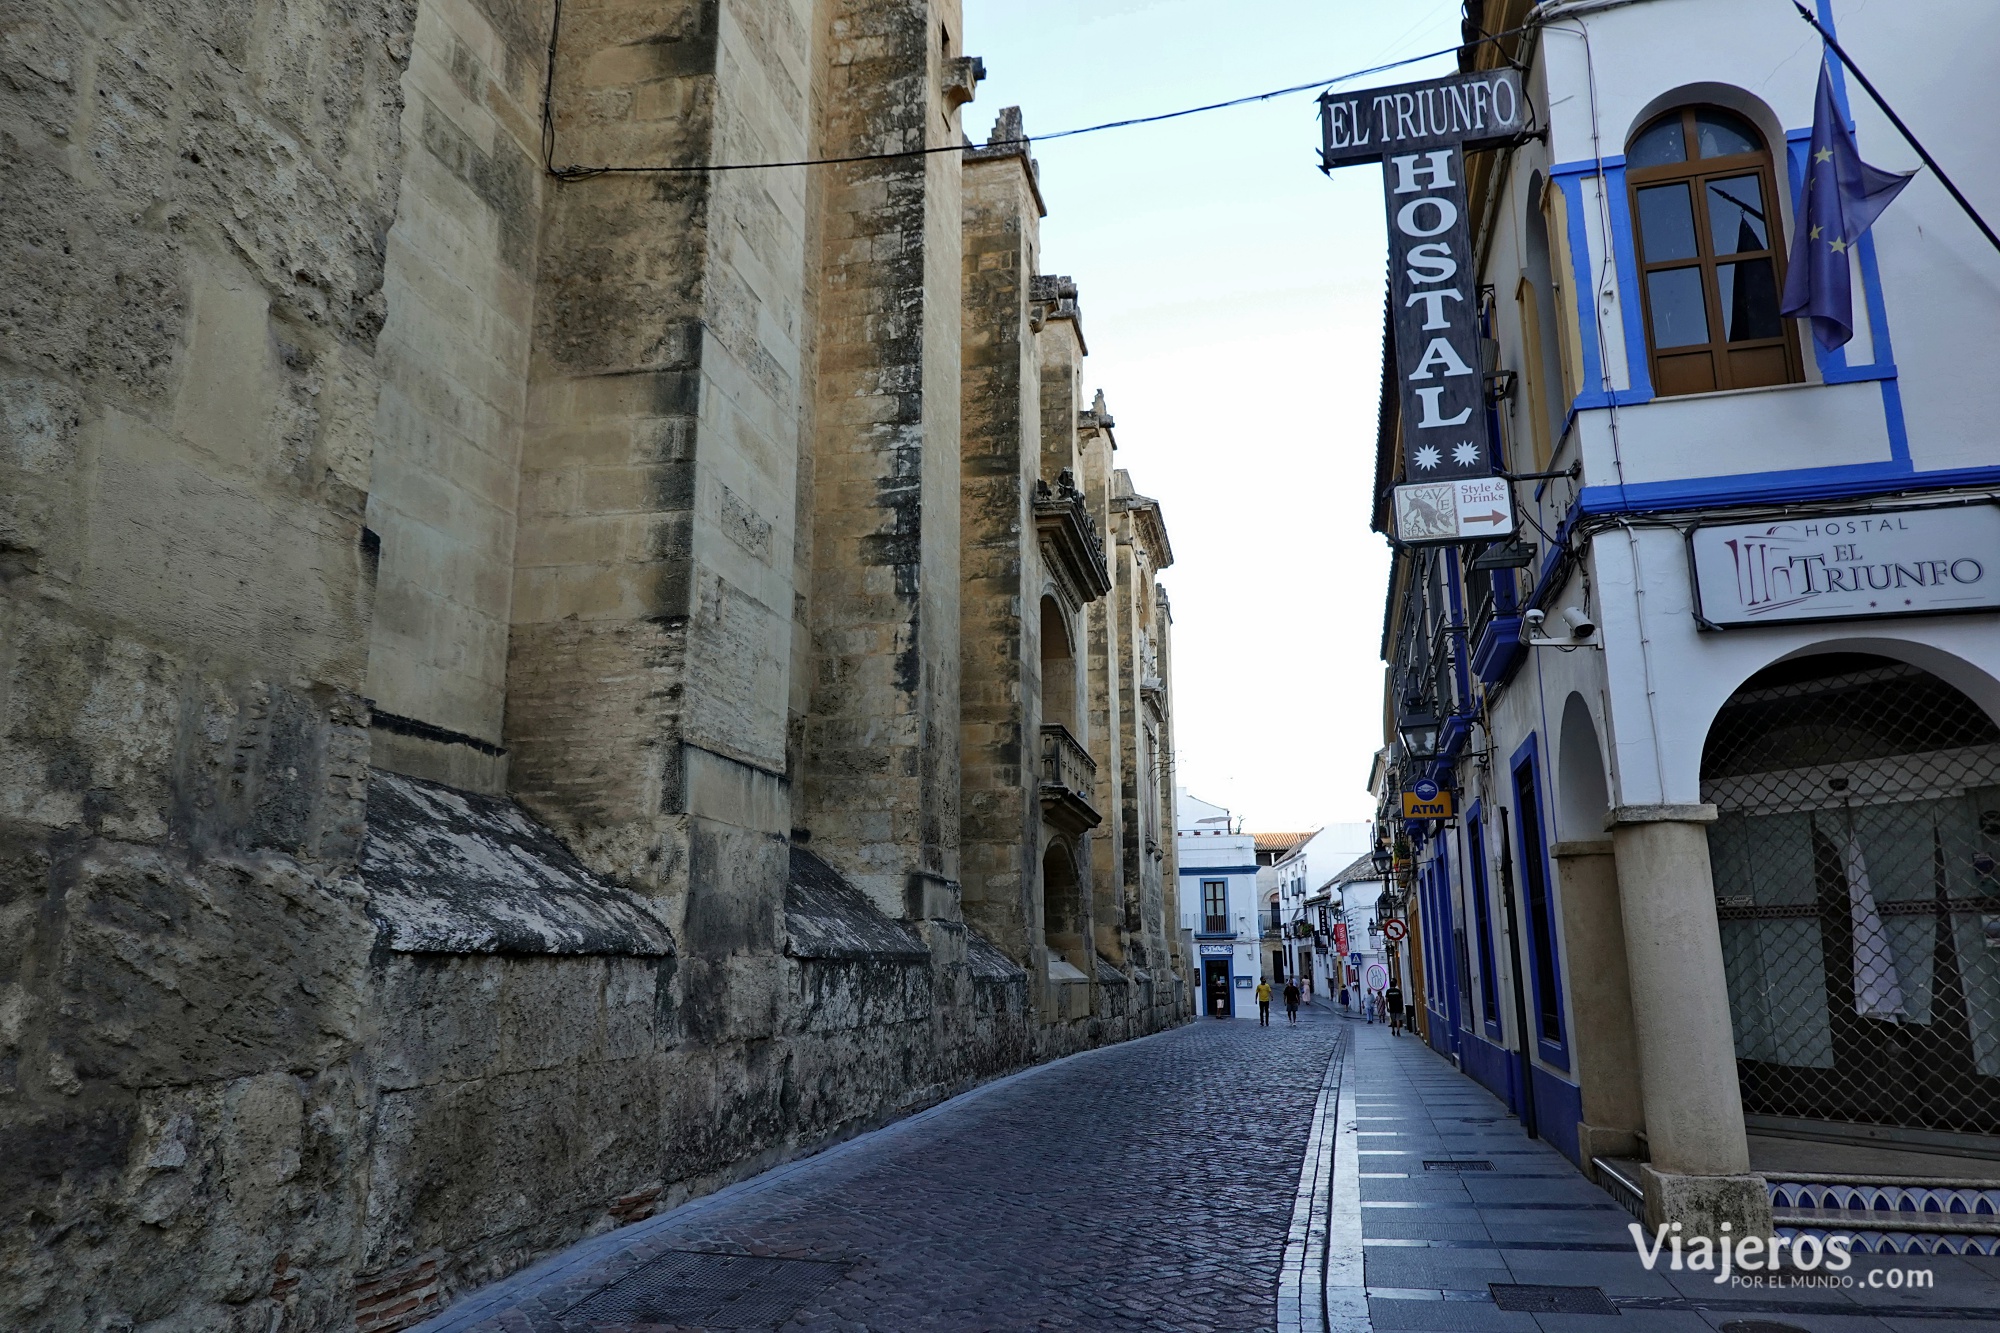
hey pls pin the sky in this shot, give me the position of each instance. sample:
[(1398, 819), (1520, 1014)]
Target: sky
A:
[(1231, 296)]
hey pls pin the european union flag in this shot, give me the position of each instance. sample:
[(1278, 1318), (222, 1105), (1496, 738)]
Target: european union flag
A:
[(1842, 198)]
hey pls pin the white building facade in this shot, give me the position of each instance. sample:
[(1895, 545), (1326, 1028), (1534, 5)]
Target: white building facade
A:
[(1290, 880), (1721, 877), (1219, 917)]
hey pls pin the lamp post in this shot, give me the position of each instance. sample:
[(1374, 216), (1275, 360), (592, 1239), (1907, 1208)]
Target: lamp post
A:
[(1418, 728)]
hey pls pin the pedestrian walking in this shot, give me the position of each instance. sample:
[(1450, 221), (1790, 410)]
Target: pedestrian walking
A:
[(1292, 1002), (1264, 1004), (1395, 1002), (1346, 1003)]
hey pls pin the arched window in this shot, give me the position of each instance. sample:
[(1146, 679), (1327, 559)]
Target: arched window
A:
[(1711, 253), (1058, 669)]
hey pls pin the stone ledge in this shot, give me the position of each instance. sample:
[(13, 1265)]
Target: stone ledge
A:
[(454, 872), (1659, 814), (828, 918)]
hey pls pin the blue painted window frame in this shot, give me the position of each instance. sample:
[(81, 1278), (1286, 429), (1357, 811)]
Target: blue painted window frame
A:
[(1482, 919), (1807, 483), (1539, 908)]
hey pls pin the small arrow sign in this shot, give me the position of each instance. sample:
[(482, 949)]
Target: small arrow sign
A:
[(1449, 511)]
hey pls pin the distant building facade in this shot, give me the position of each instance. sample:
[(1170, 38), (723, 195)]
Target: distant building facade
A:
[(530, 696), (1220, 907), (1291, 867), (1724, 730)]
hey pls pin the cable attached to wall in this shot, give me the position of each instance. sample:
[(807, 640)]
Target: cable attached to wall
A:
[(574, 172)]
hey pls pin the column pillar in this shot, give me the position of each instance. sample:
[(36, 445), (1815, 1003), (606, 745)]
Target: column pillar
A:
[(1700, 1173), (1607, 1057)]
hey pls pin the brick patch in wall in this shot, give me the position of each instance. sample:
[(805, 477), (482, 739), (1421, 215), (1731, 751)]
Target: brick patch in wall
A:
[(397, 1299)]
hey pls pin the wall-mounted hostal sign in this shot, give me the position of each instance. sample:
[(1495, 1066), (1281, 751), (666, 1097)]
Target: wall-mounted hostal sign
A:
[(1884, 562), (1420, 133)]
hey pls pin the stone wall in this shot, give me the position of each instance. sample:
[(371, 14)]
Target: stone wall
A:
[(480, 650)]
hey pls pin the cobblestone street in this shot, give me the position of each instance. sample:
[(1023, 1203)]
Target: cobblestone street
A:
[(1153, 1186), (1144, 1186)]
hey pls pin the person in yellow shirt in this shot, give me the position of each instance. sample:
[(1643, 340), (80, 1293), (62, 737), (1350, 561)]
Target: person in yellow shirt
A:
[(1264, 1004)]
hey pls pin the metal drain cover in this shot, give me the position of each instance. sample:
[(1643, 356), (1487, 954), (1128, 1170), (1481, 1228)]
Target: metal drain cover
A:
[(701, 1289), (1528, 1299), (1458, 1166)]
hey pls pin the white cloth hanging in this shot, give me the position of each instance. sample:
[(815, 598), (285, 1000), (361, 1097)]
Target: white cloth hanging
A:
[(1878, 990)]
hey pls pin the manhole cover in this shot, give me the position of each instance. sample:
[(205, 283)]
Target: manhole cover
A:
[(1527, 1299), (1759, 1326), (1458, 1166), (706, 1290)]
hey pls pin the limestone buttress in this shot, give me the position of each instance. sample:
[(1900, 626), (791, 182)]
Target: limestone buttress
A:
[(523, 701)]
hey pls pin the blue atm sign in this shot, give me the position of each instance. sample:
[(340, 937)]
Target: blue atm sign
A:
[(1426, 800)]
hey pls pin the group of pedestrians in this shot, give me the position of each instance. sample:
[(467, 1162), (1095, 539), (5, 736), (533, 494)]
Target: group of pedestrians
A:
[(1292, 998), (1377, 1006)]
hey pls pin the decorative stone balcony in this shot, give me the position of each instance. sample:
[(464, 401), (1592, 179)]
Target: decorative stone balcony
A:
[(1070, 542), (1069, 777)]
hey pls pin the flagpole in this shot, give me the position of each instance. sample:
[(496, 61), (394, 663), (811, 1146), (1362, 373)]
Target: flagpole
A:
[(1897, 121)]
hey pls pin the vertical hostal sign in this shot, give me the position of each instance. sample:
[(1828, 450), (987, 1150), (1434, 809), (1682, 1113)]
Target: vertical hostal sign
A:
[(1420, 133)]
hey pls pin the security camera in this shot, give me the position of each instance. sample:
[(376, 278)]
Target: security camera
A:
[(1579, 622), (1534, 616)]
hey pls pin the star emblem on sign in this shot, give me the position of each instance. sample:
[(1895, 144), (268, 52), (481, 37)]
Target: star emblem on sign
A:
[(1465, 453), (1427, 457)]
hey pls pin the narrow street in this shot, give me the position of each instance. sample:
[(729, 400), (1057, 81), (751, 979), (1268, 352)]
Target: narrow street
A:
[(1157, 1185)]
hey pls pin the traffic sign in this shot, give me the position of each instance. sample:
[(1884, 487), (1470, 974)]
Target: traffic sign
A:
[(1395, 929), (1354, 960), (1469, 509)]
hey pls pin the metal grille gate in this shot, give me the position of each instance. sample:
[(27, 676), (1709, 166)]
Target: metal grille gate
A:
[(1854, 862)]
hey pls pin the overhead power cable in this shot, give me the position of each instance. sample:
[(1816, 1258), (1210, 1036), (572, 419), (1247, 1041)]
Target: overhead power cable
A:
[(575, 172)]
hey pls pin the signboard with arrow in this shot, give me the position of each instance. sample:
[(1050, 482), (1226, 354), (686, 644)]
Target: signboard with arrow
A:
[(1472, 509)]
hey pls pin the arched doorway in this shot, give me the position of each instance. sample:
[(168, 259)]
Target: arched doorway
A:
[(1854, 862), (1062, 906)]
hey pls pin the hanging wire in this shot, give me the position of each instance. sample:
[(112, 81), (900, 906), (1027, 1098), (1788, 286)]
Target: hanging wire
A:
[(575, 172)]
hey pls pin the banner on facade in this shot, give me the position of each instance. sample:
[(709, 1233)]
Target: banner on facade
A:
[(1420, 132), (1898, 562), (1340, 937)]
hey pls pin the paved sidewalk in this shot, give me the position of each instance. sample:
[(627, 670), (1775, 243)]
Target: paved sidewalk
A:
[(1435, 1239), (1146, 1186)]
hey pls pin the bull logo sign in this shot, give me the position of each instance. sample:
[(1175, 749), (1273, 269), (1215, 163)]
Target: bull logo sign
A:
[(1420, 133)]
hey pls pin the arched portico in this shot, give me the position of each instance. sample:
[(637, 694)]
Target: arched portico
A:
[(1854, 863)]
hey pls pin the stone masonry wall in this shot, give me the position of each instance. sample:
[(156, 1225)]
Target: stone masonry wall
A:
[(881, 746), (459, 283), (1000, 690), (192, 226), (315, 390)]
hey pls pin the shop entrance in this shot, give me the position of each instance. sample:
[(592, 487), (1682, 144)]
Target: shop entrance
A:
[(1215, 980), (1855, 881)]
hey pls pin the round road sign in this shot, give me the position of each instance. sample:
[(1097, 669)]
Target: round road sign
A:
[(1395, 929)]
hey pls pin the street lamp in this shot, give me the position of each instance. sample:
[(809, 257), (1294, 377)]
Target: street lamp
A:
[(1419, 730), (1382, 859)]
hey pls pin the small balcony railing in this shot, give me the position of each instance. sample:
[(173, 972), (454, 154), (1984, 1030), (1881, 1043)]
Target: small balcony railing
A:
[(1069, 778)]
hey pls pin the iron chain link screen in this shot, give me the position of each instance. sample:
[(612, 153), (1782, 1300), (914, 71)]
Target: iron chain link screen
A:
[(1854, 860)]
